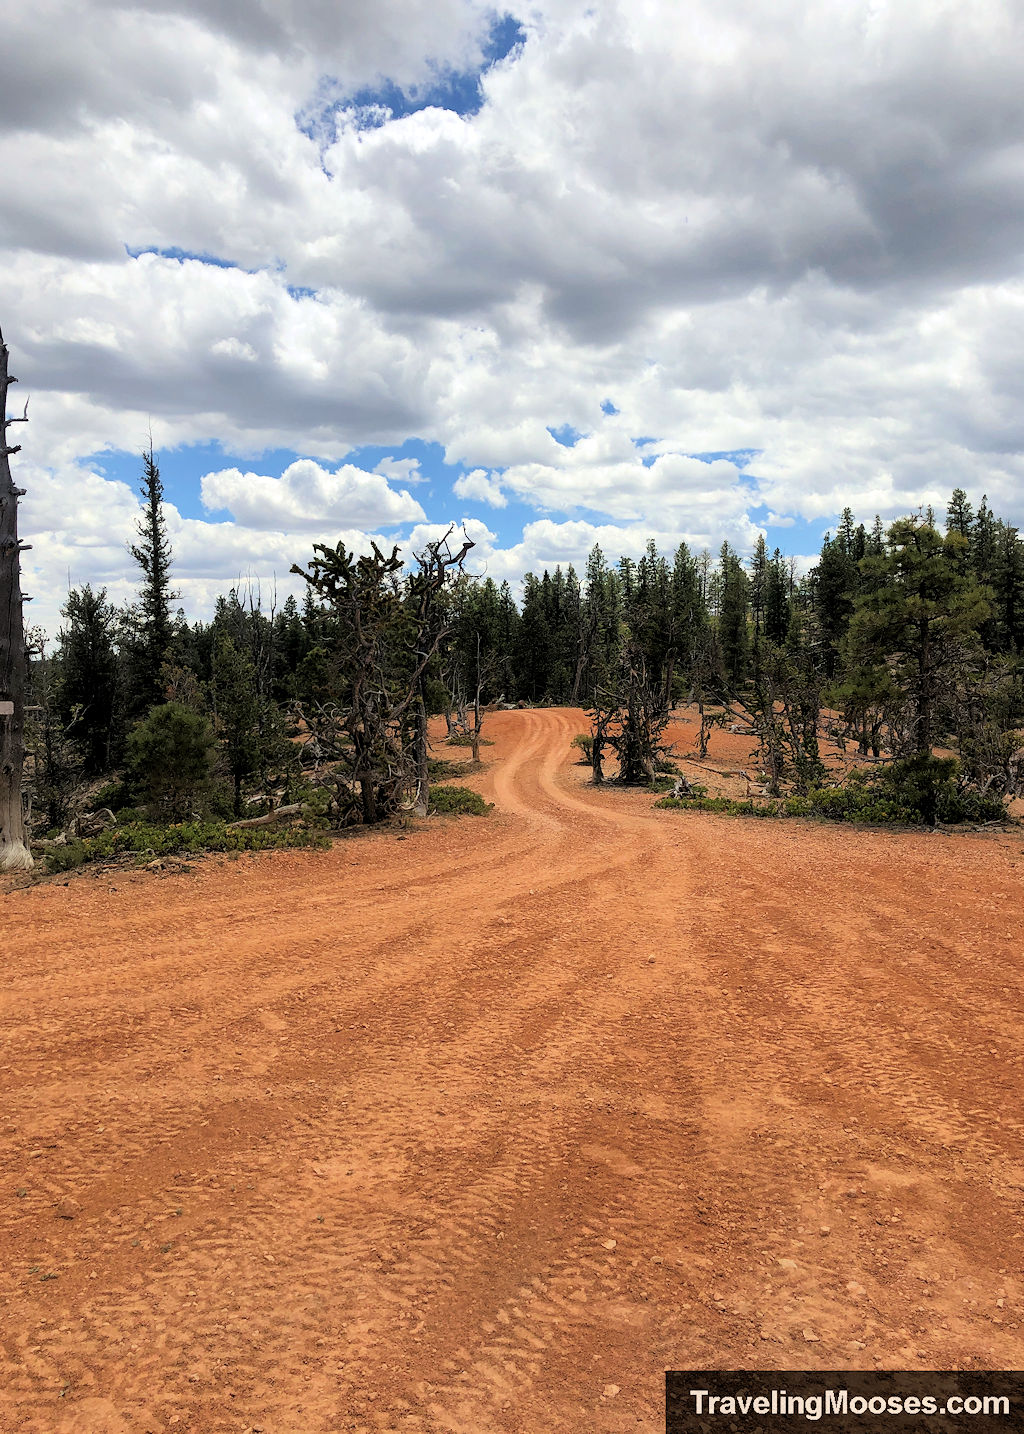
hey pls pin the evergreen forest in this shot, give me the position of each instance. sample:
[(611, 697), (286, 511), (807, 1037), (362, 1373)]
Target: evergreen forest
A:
[(903, 642)]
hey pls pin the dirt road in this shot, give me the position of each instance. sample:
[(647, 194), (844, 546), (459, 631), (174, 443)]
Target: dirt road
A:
[(484, 1128)]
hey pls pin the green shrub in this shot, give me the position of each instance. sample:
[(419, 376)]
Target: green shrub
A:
[(724, 805), (916, 784), (148, 841), (131, 814), (114, 796), (463, 739), (459, 801), (966, 804), (585, 744), (911, 792), (930, 786), (171, 753)]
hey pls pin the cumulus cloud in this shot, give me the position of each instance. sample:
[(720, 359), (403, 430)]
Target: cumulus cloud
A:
[(207, 556), (606, 472), (668, 208), (309, 498), (405, 470), (482, 486)]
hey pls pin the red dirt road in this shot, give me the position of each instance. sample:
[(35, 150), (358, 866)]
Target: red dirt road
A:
[(484, 1129)]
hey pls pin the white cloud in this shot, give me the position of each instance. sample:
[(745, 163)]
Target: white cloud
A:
[(403, 470), (234, 348), (207, 556), (308, 498), (481, 486), (669, 207), (605, 472)]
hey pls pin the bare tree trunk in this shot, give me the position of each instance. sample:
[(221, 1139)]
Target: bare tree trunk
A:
[(670, 667), (422, 802), (601, 719), (14, 851), (478, 720), (582, 658)]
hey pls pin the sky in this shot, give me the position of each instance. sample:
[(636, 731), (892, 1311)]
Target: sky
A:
[(562, 272)]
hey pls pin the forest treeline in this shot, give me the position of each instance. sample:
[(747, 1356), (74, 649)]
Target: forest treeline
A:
[(899, 640)]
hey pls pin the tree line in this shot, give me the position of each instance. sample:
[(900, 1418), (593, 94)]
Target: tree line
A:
[(900, 639)]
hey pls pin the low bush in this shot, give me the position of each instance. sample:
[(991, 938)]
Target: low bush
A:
[(463, 739), (458, 801), (724, 805), (913, 792), (585, 744), (147, 841), (932, 787), (171, 755), (115, 796), (967, 804)]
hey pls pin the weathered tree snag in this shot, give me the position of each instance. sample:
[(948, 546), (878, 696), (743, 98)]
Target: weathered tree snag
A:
[(280, 814), (434, 566), (478, 719), (387, 634), (421, 799), (14, 852)]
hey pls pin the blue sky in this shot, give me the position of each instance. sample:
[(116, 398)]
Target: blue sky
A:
[(182, 468), (443, 87), (604, 271)]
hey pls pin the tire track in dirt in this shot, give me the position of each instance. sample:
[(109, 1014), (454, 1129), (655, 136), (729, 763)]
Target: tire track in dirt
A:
[(418, 1136)]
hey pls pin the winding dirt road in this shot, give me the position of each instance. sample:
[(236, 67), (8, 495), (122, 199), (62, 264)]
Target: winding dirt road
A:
[(483, 1128)]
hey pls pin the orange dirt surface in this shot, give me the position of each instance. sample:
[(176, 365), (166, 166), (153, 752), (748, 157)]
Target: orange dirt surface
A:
[(484, 1128)]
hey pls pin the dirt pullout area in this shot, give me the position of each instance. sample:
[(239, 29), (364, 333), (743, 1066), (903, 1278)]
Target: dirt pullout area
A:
[(485, 1128)]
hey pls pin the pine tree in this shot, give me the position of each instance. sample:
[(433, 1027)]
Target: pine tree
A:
[(919, 623), (153, 627), (834, 587), (384, 637), (688, 615), (959, 514), (982, 538), (87, 683), (602, 616), (249, 726), (845, 533), (1007, 580), (758, 584), (776, 601), (507, 639), (290, 647), (535, 637), (732, 618)]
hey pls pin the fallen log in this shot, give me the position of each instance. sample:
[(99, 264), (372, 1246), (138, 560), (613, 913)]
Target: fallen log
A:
[(293, 809)]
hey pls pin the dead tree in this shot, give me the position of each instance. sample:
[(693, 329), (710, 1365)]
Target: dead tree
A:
[(14, 850), (385, 638), (630, 720), (485, 672), (465, 714), (601, 715), (435, 565)]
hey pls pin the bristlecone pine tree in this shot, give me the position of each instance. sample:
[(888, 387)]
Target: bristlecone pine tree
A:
[(14, 851)]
